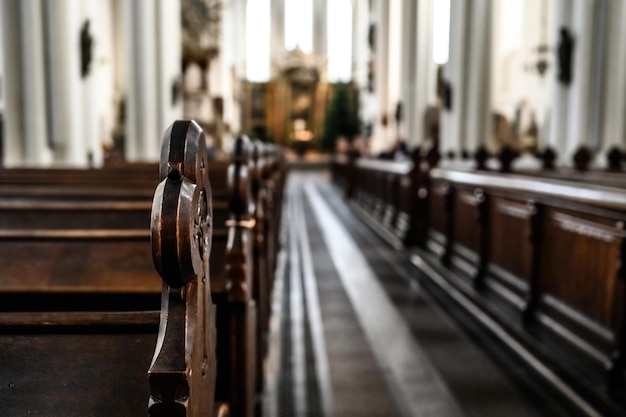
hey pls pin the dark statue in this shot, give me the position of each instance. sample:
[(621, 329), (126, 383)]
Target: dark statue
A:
[(447, 94), (565, 54), (86, 46)]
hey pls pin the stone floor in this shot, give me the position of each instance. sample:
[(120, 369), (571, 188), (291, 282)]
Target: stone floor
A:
[(355, 333)]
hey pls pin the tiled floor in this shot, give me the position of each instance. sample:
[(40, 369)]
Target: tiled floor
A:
[(354, 333)]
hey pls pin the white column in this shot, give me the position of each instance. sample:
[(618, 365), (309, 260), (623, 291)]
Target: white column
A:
[(381, 76), (94, 87), (425, 68), (142, 135), (559, 103), (239, 15), (2, 88), (13, 152), (277, 30), (227, 63), (360, 42), (478, 104), (120, 65), (131, 138), (614, 122), (579, 110), (356, 44), (408, 88), (64, 24), (320, 30), (238, 70), (169, 50), (394, 76), (35, 127), (104, 94), (455, 72)]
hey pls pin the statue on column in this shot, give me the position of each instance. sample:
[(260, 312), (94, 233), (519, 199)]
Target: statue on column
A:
[(565, 53), (86, 45)]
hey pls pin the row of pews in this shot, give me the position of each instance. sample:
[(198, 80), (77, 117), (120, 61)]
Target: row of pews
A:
[(542, 254), (119, 300)]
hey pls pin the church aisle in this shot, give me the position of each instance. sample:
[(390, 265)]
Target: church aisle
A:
[(354, 333)]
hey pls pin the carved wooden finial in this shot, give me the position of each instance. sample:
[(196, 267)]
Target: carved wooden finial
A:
[(256, 167), (182, 373), (416, 156), (506, 156), (614, 159), (548, 158), (239, 180), (433, 156), (481, 156), (582, 158), (269, 154)]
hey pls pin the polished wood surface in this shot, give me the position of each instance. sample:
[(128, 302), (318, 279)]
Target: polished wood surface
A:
[(544, 254), (77, 267)]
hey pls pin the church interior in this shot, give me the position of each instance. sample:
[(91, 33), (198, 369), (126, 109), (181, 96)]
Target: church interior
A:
[(312, 208)]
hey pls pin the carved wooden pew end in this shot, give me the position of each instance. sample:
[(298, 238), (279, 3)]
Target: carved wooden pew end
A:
[(182, 374)]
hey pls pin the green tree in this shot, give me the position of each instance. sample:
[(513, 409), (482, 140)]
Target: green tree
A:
[(342, 116)]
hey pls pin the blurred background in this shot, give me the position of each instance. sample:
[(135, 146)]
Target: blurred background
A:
[(94, 82)]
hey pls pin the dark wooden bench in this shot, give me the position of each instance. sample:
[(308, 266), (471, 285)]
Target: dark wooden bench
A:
[(91, 358), (80, 274), (543, 257)]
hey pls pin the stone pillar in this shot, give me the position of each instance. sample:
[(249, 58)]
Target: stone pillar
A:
[(478, 64), (239, 17), (238, 70), (394, 46), (132, 146), (381, 76), (13, 152), (66, 101), (320, 31), (95, 88), (169, 52), (277, 30), (33, 84), (360, 42), (559, 103), (582, 26), (408, 63), (425, 70), (142, 135), (455, 72), (227, 65), (614, 122)]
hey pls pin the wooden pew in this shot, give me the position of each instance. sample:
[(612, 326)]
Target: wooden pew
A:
[(544, 258), (182, 373), (544, 250), (237, 323), (94, 270), (243, 299), (261, 277), (387, 192), (91, 358)]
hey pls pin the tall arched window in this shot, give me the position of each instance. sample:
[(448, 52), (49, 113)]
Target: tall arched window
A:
[(258, 67), (299, 25), (339, 25)]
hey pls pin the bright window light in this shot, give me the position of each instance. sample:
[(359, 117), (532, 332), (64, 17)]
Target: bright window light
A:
[(441, 31), (299, 25), (339, 40), (511, 33), (258, 67)]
